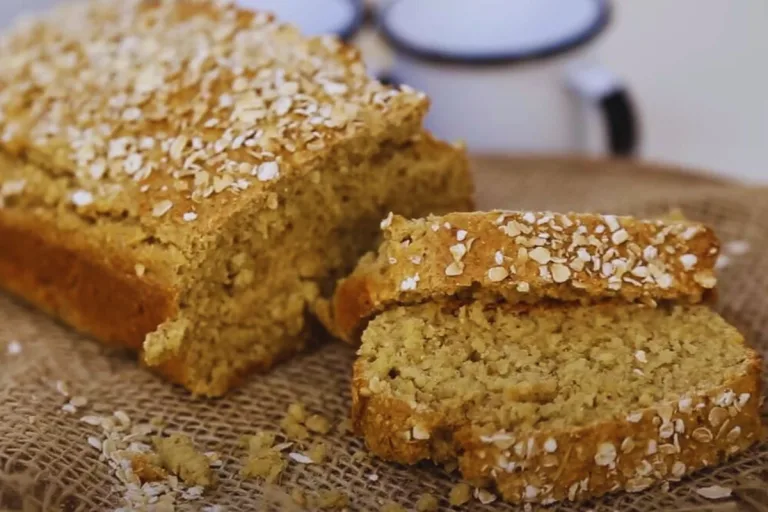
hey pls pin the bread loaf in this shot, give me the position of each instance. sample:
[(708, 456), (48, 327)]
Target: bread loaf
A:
[(188, 178)]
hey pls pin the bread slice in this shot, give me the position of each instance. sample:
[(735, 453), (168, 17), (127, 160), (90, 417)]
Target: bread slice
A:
[(187, 178), (550, 403), (526, 257)]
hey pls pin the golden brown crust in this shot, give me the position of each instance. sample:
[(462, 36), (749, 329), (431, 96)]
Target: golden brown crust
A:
[(91, 288), (95, 101), (662, 442), (526, 257)]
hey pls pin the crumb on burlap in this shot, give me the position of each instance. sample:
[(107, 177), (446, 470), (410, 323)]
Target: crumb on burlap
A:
[(460, 494), (297, 424), (344, 426), (147, 467), (297, 411), (179, 456), (299, 497), (451, 466), (264, 460), (359, 456), (318, 453), (427, 503), (391, 506), (258, 441), (332, 500), (267, 464), (318, 423), (293, 429)]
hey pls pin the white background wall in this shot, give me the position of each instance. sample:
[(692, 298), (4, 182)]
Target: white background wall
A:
[(699, 71)]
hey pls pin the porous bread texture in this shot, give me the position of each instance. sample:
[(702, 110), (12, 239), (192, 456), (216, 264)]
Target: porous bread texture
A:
[(525, 257), (245, 305), (198, 175), (555, 403)]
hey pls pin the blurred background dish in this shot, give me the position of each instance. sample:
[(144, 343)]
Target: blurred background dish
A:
[(512, 76), (316, 17)]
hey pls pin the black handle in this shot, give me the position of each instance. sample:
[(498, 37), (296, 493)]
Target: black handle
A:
[(387, 78), (621, 122)]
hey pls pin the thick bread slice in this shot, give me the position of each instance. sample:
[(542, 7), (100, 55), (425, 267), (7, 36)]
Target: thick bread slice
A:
[(556, 403), (524, 257)]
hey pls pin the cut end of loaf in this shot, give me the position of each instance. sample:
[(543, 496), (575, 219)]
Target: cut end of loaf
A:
[(247, 305)]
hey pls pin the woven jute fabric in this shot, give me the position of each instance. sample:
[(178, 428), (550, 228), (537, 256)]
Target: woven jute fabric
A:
[(46, 462)]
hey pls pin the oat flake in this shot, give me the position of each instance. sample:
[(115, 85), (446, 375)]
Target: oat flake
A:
[(714, 492)]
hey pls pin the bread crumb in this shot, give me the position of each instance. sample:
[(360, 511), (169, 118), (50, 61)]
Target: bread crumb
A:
[(178, 455), (427, 503), (214, 459), (391, 506), (147, 467), (297, 411), (344, 426), (299, 498), (267, 464), (318, 453), (359, 456), (258, 441), (264, 459), (460, 494), (332, 500), (293, 429), (317, 423)]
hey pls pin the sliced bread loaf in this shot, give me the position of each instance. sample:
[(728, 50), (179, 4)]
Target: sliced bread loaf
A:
[(524, 257), (185, 178), (548, 403)]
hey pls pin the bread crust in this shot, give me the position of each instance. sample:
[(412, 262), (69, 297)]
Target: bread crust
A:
[(92, 288), (630, 453), (527, 257)]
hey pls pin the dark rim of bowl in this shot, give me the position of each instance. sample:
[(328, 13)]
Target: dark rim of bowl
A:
[(601, 22)]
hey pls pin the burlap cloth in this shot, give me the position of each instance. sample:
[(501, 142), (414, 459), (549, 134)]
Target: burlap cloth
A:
[(46, 462)]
